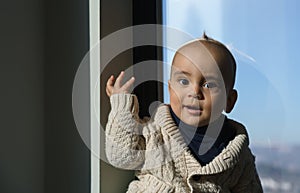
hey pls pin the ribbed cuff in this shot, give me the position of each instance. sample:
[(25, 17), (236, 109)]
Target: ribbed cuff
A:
[(124, 102)]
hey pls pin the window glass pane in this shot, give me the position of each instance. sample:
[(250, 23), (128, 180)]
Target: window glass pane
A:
[(264, 39)]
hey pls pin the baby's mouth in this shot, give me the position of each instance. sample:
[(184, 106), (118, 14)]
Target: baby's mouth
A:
[(193, 109)]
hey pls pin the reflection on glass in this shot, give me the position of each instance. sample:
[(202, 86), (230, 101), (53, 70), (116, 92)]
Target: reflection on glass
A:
[(264, 38)]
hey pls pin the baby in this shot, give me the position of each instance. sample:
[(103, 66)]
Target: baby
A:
[(188, 145)]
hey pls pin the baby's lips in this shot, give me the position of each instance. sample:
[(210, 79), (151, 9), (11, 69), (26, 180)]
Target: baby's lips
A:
[(194, 107)]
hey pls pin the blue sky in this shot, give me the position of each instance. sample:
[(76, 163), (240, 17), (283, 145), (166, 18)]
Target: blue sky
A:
[(264, 38)]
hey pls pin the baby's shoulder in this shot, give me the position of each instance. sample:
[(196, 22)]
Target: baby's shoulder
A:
[(159, 119), (237, 126)]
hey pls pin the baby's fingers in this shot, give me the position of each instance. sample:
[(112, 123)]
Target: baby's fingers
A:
[(128, 84), (110, 81), (119, 79), (110, 85)]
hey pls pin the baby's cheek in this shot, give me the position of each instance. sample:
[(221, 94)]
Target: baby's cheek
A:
[(174, 98), (175, 101), (217, 106)]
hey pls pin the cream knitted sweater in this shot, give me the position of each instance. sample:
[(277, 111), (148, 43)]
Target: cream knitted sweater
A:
[(164, 164)]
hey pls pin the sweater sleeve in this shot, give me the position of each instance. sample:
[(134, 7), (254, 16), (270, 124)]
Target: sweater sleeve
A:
[(125, 144), (249, 181)]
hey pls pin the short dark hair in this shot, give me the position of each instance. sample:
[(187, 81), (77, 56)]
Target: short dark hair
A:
[(207, 39)]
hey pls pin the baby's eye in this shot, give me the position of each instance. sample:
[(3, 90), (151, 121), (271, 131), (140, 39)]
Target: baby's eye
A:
[(184, 81), (209, 85)]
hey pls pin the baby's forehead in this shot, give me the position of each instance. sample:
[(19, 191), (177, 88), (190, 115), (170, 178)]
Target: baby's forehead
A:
[(191, 67), (209, 57), (197, 75)]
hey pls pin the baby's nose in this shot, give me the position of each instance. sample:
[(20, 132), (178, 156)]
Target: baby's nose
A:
[(197, 92)]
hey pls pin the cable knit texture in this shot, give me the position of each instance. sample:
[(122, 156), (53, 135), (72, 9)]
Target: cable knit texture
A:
[(164, 164)]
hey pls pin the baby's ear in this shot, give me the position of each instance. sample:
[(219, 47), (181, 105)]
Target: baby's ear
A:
[(231, 99)]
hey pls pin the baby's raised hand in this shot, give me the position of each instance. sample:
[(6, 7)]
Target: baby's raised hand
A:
[(115, 86)]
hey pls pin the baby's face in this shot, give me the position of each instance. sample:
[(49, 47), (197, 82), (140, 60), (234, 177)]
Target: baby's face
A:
[(197, 89)]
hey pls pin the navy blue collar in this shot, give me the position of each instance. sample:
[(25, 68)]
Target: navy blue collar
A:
[(194, 136), (183, 126)]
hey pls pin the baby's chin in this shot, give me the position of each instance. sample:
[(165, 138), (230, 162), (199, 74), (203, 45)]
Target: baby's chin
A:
[(194, 122), (202, 120)]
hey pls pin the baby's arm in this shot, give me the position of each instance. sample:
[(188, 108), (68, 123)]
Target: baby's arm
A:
[(124, 143), (249, 181)]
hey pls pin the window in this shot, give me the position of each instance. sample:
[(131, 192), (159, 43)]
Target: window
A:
[(263, 36)]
